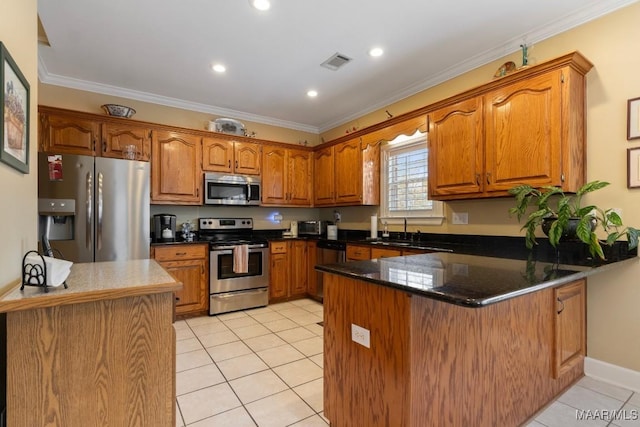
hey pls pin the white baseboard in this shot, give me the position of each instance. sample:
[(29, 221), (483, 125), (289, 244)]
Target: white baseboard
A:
[(612, 374)]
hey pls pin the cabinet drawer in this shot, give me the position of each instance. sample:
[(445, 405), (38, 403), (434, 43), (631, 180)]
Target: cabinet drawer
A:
[(178, 252), (278, 247), (358, 252), (384, 253)]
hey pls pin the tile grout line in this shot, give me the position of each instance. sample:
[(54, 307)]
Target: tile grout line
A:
[(269, 368)]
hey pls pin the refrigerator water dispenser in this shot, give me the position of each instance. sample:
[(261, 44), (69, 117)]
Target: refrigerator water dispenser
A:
[(56, 218)]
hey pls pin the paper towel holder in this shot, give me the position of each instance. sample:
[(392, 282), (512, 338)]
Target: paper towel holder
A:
[(35, 274)]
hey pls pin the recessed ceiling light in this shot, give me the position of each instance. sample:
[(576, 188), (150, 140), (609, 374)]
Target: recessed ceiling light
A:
[(312, 93), (261, 4), (376, 51), (219, 68)]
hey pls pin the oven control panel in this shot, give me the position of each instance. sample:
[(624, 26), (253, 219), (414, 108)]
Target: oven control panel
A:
[(225, 223)]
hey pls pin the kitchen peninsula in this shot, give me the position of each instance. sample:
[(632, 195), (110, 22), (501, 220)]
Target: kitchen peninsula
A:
[(101, 352), (448, 339)]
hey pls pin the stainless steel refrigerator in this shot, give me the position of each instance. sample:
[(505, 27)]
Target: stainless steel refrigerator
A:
[(94, 208)]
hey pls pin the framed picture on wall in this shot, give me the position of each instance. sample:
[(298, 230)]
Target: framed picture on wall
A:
[(633, 167), (633, 119), (14, 105)]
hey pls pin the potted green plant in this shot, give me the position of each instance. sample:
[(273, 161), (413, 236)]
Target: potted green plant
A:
[(562, 215)]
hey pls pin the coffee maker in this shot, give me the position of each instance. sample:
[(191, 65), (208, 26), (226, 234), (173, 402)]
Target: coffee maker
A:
[(164, 226)]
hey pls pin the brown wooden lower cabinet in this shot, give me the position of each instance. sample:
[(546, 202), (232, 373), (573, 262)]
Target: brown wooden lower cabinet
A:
[(432, 363), (288, 270), (189, 264)]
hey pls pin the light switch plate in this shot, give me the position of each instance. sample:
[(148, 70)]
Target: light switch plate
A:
[(360, 335)]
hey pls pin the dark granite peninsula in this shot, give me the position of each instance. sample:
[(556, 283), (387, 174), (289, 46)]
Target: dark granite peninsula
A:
[(450, 339)]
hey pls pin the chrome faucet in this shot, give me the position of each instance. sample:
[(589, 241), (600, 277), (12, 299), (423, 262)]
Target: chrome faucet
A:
[(405, 229)]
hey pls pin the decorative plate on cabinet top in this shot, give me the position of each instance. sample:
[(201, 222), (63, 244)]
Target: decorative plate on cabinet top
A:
[(505, 69), (119, 110), (230, 126)]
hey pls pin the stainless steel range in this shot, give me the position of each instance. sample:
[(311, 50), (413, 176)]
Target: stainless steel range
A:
[(239, 264)]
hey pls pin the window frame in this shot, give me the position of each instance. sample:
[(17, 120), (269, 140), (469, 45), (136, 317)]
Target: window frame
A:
[(433, 216)]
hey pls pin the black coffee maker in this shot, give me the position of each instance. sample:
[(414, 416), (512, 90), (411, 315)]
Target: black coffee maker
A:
[(164, 226)]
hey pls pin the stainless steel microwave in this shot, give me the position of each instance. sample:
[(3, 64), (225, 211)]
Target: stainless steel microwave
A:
[(313, 228), (224, 189)]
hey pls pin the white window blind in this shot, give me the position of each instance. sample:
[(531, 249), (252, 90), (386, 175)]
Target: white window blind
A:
[(405, 180)]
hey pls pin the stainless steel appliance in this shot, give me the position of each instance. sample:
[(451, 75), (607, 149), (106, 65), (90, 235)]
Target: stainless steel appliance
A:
[(222, 189), (329, 252), (229, 290), (164, 228), (94, 208), (313, 228)]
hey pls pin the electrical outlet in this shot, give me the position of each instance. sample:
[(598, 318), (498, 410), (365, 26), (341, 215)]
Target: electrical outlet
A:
[(460, 218), (336, 216), (360, 335)]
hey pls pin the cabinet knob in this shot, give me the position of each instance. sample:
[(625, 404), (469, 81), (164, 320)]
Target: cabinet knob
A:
[(488, 177), (477, 179), (229, 164), (561, 305)]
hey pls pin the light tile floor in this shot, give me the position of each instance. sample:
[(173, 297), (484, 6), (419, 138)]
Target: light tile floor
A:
[(264, 367)]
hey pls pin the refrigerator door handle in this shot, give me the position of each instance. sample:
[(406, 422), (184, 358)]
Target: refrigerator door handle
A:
[(89, 202), (99, 213)]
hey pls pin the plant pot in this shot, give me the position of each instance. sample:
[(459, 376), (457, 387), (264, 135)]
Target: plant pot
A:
[(569, 232)]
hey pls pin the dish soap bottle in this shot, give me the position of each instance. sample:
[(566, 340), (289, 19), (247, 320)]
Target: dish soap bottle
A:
[(385, 232)]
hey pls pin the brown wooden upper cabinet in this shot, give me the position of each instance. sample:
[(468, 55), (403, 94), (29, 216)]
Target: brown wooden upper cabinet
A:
[(115, 136), (528, 127), (287, 176), (347, 173), (70, 132), (176, 173), (229, 156)]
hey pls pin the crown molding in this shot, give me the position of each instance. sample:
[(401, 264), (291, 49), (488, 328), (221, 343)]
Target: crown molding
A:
[(57, 80), (561, 25), (589, 13)]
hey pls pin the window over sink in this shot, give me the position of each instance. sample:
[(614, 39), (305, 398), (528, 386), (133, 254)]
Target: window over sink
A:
[(404, 182)]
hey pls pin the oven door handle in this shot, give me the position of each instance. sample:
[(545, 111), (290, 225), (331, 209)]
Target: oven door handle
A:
[(224, 252)]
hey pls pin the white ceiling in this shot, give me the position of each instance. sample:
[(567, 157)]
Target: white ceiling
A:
[(161, 51)]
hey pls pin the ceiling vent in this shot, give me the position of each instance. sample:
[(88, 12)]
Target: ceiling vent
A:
[(336, 61)]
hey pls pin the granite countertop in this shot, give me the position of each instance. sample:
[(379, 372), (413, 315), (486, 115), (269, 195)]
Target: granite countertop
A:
[(95, 281), (466, 280)]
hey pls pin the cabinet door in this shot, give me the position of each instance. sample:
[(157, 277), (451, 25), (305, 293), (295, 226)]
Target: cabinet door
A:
[(456, 149), (523, 133), (274, 179), (300, 165), (569, 307), (348, 172), (323, 179), (278, 275), (298, 262), (116, 136), (312, 274), (217, 155), (371, 173), (176, 174), (192, 273), (247, 158), (68, 134)]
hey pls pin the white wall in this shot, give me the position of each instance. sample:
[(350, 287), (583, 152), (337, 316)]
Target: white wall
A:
[(18, 210)]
